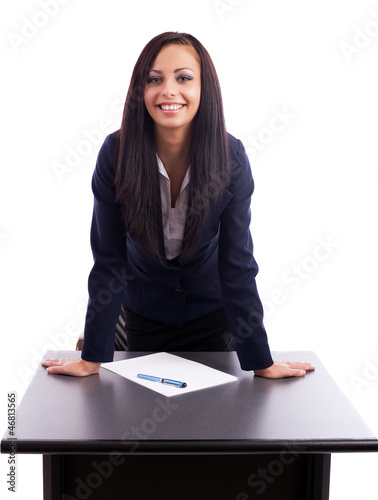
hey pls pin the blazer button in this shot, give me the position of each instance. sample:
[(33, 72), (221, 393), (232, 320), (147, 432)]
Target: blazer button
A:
[(179, 291)]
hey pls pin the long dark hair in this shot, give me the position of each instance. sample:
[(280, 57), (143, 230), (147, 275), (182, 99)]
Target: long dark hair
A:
[(137, 178)]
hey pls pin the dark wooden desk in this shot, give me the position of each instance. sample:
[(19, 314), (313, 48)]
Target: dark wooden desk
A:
[(106, 437)]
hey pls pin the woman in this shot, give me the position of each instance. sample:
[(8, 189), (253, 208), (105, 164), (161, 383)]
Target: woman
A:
[(170, 231)]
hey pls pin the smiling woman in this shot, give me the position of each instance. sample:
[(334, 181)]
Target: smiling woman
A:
[(172, 196)]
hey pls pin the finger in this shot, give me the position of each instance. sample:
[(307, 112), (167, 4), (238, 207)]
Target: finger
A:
[(52, 362), (306, 366), (309, 368), (56, 369), (303, 366), (57, 362), (63, 369), (49, 360), (291, 373), (299, 373), (301, 363)]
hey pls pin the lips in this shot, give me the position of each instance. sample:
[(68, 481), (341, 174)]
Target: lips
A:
[(170, 107)]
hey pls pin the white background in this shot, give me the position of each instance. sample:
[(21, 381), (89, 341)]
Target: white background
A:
[(316, 178)]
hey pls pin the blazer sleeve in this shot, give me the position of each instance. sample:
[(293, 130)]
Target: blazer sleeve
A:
[(108, 278), (238, 269)]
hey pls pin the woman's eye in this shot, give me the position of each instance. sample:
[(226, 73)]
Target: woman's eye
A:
[(184, 78), (153, 79)]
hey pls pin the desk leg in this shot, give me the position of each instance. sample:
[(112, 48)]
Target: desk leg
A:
[(52, 477), (318, 476)]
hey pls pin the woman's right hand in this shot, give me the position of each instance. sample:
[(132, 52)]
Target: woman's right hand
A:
[(73, 367)]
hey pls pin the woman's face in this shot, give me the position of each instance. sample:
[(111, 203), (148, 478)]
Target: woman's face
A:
[(173, 89)]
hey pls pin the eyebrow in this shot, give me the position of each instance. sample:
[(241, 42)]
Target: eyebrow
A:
[(175, 71)]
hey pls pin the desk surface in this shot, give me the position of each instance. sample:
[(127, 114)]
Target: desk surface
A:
[(106, 412)]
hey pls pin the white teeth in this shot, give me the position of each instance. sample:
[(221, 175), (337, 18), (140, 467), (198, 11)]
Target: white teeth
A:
[(172, 107)]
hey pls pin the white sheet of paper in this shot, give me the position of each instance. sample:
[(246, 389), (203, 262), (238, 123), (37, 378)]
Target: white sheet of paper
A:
[(162, 364)]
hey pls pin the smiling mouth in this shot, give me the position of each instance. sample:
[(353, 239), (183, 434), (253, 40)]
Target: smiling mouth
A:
[(170, 107)]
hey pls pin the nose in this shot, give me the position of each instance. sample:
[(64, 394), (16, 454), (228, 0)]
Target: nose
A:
[(170, 88)]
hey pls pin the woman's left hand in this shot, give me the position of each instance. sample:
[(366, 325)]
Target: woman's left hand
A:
[(282, 369)]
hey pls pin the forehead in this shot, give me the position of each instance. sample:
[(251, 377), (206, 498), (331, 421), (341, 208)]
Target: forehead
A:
[(175, 56)]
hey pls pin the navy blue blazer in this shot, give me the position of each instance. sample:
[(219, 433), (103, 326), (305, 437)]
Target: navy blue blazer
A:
[(220, 272)]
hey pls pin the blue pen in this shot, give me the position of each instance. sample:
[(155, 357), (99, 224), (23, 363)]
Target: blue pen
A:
[(168, 381)]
